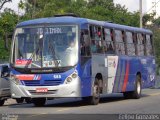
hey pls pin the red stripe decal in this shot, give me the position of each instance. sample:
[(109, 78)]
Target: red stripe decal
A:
[(126, 78), (23, 62), (25, 77)]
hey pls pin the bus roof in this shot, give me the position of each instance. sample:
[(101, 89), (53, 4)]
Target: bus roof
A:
[(81, 21)]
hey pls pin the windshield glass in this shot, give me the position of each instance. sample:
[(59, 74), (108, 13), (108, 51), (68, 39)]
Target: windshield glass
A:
[(45, 46)]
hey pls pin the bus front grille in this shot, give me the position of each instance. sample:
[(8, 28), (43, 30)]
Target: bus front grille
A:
[(41, 83), (33, 92)]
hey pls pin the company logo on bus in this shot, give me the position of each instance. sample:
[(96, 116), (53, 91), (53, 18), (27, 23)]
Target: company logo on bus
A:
[(57, 76)]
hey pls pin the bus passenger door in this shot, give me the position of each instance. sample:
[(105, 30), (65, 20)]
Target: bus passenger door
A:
[(111, 62), (98, 69)]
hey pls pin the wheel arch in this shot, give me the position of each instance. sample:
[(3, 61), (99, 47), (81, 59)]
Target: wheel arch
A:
[(139, 73), (99, 77)]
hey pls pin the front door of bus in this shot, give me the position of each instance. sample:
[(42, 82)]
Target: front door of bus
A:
[(111, 62)]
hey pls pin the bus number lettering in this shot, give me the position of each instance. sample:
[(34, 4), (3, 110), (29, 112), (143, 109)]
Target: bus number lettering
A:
[(49, 31)]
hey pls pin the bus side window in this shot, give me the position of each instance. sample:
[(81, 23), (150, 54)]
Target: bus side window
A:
[(108, 41), (85, 43), (119, 43), (130, 43), (96, 39), (135, 43), (149, 47), (140, 45)]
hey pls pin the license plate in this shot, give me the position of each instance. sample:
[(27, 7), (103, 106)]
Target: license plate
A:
[(42, 90)]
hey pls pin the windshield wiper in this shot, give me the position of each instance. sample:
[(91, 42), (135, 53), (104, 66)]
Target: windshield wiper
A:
[(30, 58), (35, 52), (52, 48)]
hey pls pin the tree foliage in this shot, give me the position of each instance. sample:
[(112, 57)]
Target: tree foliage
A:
[(8, 21)]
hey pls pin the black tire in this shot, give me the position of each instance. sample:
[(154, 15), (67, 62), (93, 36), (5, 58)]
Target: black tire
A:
[(136, 94), (128, 95), (19, 100), (39, 102), (95, 98), (2, 102), (28, 100)]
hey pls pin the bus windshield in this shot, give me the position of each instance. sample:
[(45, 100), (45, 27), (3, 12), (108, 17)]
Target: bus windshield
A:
[(45, 46)]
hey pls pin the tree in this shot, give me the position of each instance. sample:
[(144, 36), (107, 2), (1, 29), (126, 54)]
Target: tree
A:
[(148, 18), (8, 21)]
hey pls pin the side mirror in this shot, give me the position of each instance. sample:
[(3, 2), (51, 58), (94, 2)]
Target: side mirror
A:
[(5, 71), (6, 74)]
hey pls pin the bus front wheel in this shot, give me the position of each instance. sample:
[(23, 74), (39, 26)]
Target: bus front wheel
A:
[(28, 100), (94, 99), (19, 100), (39, 102)]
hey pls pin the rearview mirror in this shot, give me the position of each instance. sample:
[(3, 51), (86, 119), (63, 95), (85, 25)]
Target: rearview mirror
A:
[(5, 72)]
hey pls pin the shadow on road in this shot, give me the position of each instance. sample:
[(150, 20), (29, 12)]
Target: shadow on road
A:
[(70, 102)]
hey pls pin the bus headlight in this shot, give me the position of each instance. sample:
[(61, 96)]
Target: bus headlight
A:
[(70, 78), (15, 80)]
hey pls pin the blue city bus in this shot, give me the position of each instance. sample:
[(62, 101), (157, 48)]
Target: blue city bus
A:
[(69, 56)]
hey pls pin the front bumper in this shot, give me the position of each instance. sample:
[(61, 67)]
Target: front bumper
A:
[(72, 89)]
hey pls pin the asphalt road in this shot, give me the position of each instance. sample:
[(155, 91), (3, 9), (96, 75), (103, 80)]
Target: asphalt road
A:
[(73, 108)]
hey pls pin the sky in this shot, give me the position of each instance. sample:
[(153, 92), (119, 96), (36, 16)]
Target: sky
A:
[(13, 5), (132, 5)]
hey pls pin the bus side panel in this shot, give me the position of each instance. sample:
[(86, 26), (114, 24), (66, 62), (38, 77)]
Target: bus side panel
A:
[(149, 69), (126, 74), (145, 72), (86, 80), (134, 68), (146, 66)]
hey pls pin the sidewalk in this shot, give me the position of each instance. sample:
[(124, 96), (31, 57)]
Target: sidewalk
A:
[(10, 101)]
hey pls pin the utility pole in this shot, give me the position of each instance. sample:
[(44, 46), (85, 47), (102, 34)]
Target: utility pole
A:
[(140, 11), (34, 8)]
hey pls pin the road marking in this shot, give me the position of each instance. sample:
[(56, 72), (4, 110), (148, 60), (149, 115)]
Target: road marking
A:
[(63, 109), (37, 114), (154, 94)]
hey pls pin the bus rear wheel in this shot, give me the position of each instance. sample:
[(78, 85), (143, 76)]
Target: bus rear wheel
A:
[(39, 102), (94, 99), (136, 94), (138, 88)]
